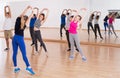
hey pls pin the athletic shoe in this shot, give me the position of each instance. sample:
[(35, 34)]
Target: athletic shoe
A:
[(40, 45), (71, 57), (69, 49), (46, 54), (32, 44), (77, 50), (35, 53), (16, 70), (84, 58), (6, 49), (29, 70)]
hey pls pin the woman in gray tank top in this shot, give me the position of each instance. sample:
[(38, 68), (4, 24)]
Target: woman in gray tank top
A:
[(41, 18), (90, 22)]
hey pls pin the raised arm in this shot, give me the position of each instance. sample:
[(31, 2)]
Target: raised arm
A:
[(76, 13), (47, 12), (24, 12), (99, 13), (10, 15), (64, 11), (5, 11), (69, 11)]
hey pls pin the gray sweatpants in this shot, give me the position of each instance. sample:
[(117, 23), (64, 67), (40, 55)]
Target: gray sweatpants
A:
[(74, 37), (111, 26)]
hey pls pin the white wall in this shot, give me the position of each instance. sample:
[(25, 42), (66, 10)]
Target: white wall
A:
[(55, 7), (104, 6)]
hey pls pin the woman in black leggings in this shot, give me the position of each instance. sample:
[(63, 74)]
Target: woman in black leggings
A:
[(40, 20), (90, 22), (96, 25)]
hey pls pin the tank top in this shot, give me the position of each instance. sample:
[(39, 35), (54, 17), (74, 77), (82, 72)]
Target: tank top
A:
[(111, 20), (37, 23), (73, 27)]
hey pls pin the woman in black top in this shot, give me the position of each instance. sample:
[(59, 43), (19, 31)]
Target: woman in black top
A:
[(18, 41)]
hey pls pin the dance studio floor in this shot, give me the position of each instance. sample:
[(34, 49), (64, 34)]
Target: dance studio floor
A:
[(103, 57)]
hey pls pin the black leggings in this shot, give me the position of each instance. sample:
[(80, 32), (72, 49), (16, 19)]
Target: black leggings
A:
[(68, 40), (39, 38), (97, 28), (90, 25), (31, 29), (61, 27)]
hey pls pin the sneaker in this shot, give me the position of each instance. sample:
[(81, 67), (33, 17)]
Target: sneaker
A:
[(69, 49), (35, 53), (16, 70), (29, 70), (6, 49), (77, 50), (40, 45), (84, 58), (71, 57), (101, 38), (32, 44), (46, 54)]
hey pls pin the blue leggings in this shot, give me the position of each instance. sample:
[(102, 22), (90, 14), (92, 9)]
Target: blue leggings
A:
[(105, 25), (19, 41)]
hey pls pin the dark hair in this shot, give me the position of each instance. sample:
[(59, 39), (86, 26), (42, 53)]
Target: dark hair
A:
[(80, 17), (34, 15), (92, 15), (25, 17), (97, 17), (7, 13), (72, 16), (43, 15), (68, 13)]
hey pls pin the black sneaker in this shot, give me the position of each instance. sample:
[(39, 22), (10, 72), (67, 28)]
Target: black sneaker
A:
[(6, 49), (40, 45), (32, 44), (69, 49), (77, 50)]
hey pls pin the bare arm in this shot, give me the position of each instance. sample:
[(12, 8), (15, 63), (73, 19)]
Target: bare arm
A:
[(76, 13), (9, 11), (64, 11), (5, 10), (99, 13), (45, 9), (69, 11), (37, 15), (24, 12)]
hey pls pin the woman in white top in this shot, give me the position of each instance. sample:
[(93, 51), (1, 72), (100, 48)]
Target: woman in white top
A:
[(96, 25), (7, 26)]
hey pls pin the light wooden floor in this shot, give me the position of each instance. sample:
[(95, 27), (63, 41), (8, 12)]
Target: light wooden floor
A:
[(102, 61)]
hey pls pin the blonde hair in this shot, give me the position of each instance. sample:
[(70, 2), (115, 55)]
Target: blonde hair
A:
[(22, 22)]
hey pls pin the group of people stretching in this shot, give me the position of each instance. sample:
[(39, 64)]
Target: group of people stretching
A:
[(108, 23), (36, 21)]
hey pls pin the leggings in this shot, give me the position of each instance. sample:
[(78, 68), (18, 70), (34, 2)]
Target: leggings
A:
[(90, 25), (97, 28), (105, 25), (39, 38), (111, 26), (74, 38), (61, 27), (18, 41), (67, 36), (32, 34)]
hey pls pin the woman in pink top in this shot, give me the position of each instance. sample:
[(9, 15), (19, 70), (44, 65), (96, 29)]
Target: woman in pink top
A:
[(73, 36), (111, 20)]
